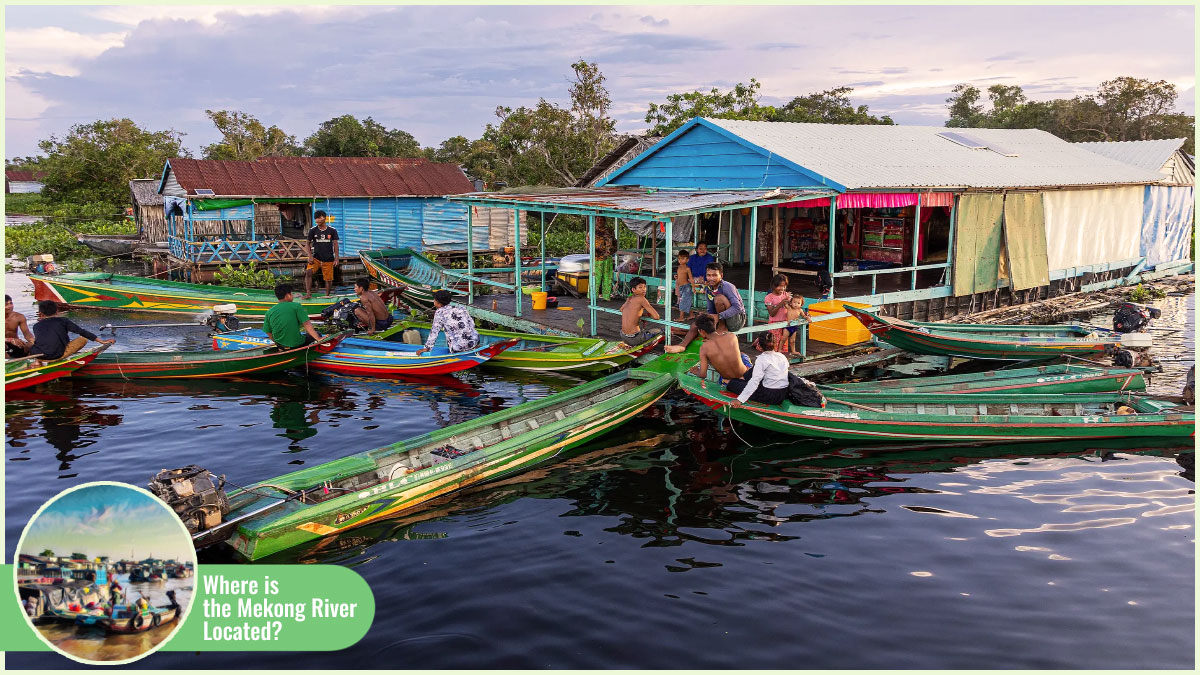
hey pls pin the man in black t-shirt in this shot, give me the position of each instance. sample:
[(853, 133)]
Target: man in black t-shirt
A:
[(51, 339), (322, 254)]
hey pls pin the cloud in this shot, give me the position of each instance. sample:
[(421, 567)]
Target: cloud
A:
[(54, 50), (656, 23)]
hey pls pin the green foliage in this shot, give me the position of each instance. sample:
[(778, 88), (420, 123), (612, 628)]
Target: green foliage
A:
[(831, 106), (95, 162), (1142, 293), (22, 241), (244, 138), (34, 204), (1122, 109), (346, 136), (245, 276)]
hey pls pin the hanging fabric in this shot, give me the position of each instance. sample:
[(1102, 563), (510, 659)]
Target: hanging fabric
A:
[(1025, 240), (979, 238)]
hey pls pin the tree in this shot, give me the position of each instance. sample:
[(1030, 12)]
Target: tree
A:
[(244, 138), (95, 162), (346, 136), (831, 106), (739, 103), (965, 110), (475, 157), (47, 553)]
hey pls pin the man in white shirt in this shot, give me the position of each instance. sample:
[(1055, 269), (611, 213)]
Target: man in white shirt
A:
[(767, 381)]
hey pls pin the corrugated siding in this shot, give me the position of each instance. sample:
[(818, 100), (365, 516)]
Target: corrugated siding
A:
[(703, 158), (371, 223), (445, 225), (172, 186)]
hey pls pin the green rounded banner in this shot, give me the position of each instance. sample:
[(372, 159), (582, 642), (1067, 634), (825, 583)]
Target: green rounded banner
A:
[(239, 608)]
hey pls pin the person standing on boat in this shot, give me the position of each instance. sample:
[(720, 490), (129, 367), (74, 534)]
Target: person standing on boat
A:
[(51, 339), (287, 323), (724, 305), (374, 313), (322, 254), (15, 326), (767, 381), (454, 321)]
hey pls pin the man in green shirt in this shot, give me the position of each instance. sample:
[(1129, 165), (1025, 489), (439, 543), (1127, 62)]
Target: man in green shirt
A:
[(287, 323)]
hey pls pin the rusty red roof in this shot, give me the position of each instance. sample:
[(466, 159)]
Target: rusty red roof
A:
[(321, 177), (20, 175)]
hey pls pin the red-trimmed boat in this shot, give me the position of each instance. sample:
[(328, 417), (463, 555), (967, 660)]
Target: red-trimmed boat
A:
[(29, 371), (206, 364)]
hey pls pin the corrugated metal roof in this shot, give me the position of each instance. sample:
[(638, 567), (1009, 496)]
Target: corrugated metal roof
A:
[(321, 177), (23, 175), (639, 201), (145, 191), (1151, 155), (885, 156)]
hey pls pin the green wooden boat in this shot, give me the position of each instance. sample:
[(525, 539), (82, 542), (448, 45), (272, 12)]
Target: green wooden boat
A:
[(277, 514), (118, 291), (542, 352), (943, 416), (29, 371), (985, 341), (406, 269), (1051, 379), (206, 364)]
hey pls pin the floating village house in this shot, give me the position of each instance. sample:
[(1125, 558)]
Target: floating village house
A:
[(148, 210), (18, 181), (925, 222), (229, 212)]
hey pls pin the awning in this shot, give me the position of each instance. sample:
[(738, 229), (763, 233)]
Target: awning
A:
[(878, 200), (638, 203)]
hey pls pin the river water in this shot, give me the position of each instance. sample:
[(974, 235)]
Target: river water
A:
[(673, 543)]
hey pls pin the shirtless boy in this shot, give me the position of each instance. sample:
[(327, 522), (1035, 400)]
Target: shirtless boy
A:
[(632, 332), (15, 326), (374, 313), (683, 285), (719, 350)]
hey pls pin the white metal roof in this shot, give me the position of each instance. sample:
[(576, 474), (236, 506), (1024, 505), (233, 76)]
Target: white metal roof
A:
[(885, 156), (1150, 155)]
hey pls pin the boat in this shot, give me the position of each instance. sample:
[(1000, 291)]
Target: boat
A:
[(375, 358), (60, 602), (1049, 379), (257, 360), (112, 245), (416, 276), (986, 341), (123, 292), (542, 352), (126, 619), (26, 372), (283, 512), (941, 416)]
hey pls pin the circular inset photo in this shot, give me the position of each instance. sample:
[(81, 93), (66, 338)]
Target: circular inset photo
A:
[(106, 573)]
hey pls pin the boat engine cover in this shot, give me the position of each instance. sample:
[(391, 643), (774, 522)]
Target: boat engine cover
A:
[(1132, 317), (195, 494)]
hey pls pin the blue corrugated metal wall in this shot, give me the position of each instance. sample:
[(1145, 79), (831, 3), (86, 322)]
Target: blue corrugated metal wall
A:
[(387, 222), (446, 226), (703, 158)]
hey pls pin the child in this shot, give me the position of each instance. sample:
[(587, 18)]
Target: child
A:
[(794, 310), (776, 302), (632, 332), (683, 286)]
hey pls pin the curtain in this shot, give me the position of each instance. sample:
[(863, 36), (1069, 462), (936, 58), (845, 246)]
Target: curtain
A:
[(1025, 240), (1086, 227), (978, 241)]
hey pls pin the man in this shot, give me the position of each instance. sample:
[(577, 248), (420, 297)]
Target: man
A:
[(724, 304), (15, 326), (699, 261), (322, 254), (374, 313), (719, 350), (635, 305), (287, 323), (50, 334), (454, 321)]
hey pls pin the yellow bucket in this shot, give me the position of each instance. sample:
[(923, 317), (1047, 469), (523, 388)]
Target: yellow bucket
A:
[(539, 299)]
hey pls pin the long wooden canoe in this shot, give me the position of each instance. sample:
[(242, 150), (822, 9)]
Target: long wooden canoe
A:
[(29, 371), (542, 352), (960, 417), (984, 341), (404, 268), (375, 358), (330, 498), (205, 364), (1051, 379), (111, 245), (117, 291)]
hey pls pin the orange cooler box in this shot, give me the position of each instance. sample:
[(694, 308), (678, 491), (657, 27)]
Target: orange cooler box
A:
[(845, 330)]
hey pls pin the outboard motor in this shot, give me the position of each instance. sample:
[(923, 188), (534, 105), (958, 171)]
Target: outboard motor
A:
[(1131, 317), (1189, 387), (341, 313), (195, 494), (223, 319)]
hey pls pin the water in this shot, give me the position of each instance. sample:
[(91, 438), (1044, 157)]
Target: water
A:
[(671, 543)]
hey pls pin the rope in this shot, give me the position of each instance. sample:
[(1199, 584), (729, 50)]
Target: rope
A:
[(725, 409)]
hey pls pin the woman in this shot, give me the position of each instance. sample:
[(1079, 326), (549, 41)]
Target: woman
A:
[(767, 381), (455, 322)]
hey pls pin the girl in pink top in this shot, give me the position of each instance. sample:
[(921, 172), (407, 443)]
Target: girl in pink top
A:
[(776, 302)]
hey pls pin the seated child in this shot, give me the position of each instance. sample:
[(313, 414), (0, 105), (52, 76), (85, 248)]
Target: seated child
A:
[(635, 305)]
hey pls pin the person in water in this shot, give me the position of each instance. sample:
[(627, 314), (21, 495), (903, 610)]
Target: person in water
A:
[(374, 313), (635, 305), (17, 336), (51, 334)]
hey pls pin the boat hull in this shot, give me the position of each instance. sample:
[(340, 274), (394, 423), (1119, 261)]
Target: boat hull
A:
[(405, 268), (140, 294), (1053, 379), (32, 375), (1004, 343), (110, 245), (207, 364)]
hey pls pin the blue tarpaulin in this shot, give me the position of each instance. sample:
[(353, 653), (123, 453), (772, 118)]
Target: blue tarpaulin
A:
[(1166, 224)]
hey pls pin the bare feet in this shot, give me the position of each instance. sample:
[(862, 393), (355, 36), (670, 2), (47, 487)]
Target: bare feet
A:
[(673, 349), (307, 296)]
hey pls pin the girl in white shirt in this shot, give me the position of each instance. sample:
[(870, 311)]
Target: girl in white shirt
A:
[(767, 381)]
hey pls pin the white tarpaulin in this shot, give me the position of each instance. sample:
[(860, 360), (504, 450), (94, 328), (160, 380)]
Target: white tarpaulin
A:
[(684, 228), (1087, 227), (1166, 224)]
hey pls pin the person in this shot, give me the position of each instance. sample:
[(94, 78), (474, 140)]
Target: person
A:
[(374, 313), (683, 285), (699, 262), (720, 350), (322, 254), (767, 381), (724, 303), (794, 311), (17, 337), (50, 334), (776, 302), (287, 323), (635, 305), (452, 320)]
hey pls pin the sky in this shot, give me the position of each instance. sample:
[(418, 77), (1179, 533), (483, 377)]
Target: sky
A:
[(438, 72), (107, 520)]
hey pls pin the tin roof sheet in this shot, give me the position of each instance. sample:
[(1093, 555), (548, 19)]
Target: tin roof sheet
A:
[(1150, 155), (885, 156), (322, 177), (640, 201)]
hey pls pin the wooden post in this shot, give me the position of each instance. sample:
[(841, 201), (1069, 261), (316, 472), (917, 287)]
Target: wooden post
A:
[(517, 258), (667, 277), (950, 241), (592, 271), (832, 232), (470, 258), (775, 255), (543, 240), (753, 263), (916, 239)]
